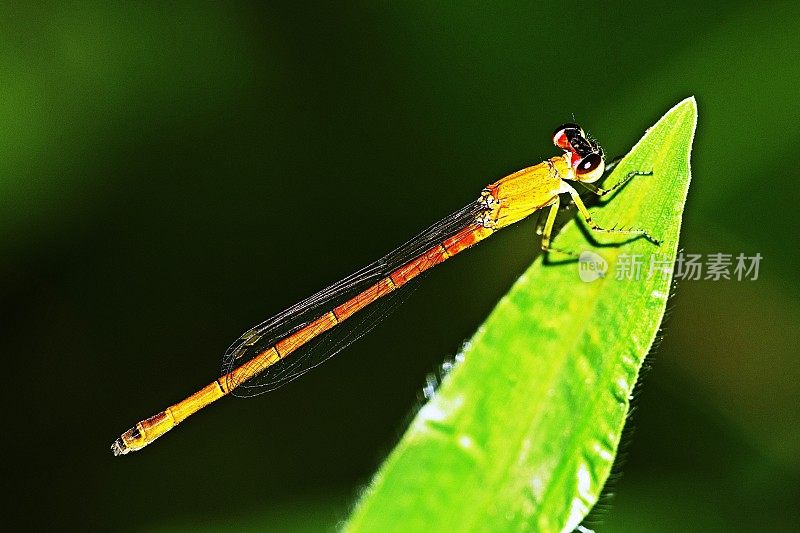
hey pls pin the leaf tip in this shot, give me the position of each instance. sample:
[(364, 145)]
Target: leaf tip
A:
[(689, 104)]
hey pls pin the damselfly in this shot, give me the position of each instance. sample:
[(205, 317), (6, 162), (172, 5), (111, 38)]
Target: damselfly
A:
[(302, 337)]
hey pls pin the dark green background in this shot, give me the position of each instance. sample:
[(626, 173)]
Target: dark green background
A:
[(170, 176)]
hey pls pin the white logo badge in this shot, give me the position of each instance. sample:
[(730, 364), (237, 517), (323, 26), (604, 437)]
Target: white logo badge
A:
[(591, 266)]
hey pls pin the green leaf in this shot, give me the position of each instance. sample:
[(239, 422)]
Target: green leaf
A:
[(522, 434)]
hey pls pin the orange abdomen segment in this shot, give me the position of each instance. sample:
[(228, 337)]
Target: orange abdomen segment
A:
[(360, 301), (417, 266), (302, 336), (465, 238)]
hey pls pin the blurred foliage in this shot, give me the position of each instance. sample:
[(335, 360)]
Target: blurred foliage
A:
[(172, 174)]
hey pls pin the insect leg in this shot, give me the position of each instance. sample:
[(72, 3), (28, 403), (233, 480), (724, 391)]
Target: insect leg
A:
[(548, 230), (602, 192), (595, 227)]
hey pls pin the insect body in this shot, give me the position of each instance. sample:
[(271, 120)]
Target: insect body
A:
[(302, 337)]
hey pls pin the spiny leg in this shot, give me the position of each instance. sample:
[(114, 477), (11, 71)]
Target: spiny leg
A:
[(602, 192), (548, 230), (595, 227)]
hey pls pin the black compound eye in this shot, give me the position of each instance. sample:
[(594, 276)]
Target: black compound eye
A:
[(567, 126), (588, 164)]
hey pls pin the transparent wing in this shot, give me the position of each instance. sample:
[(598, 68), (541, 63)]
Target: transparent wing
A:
[(325, 346), (266, 334)]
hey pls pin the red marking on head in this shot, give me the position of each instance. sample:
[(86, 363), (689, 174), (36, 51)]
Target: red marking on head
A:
[(560, 140)]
